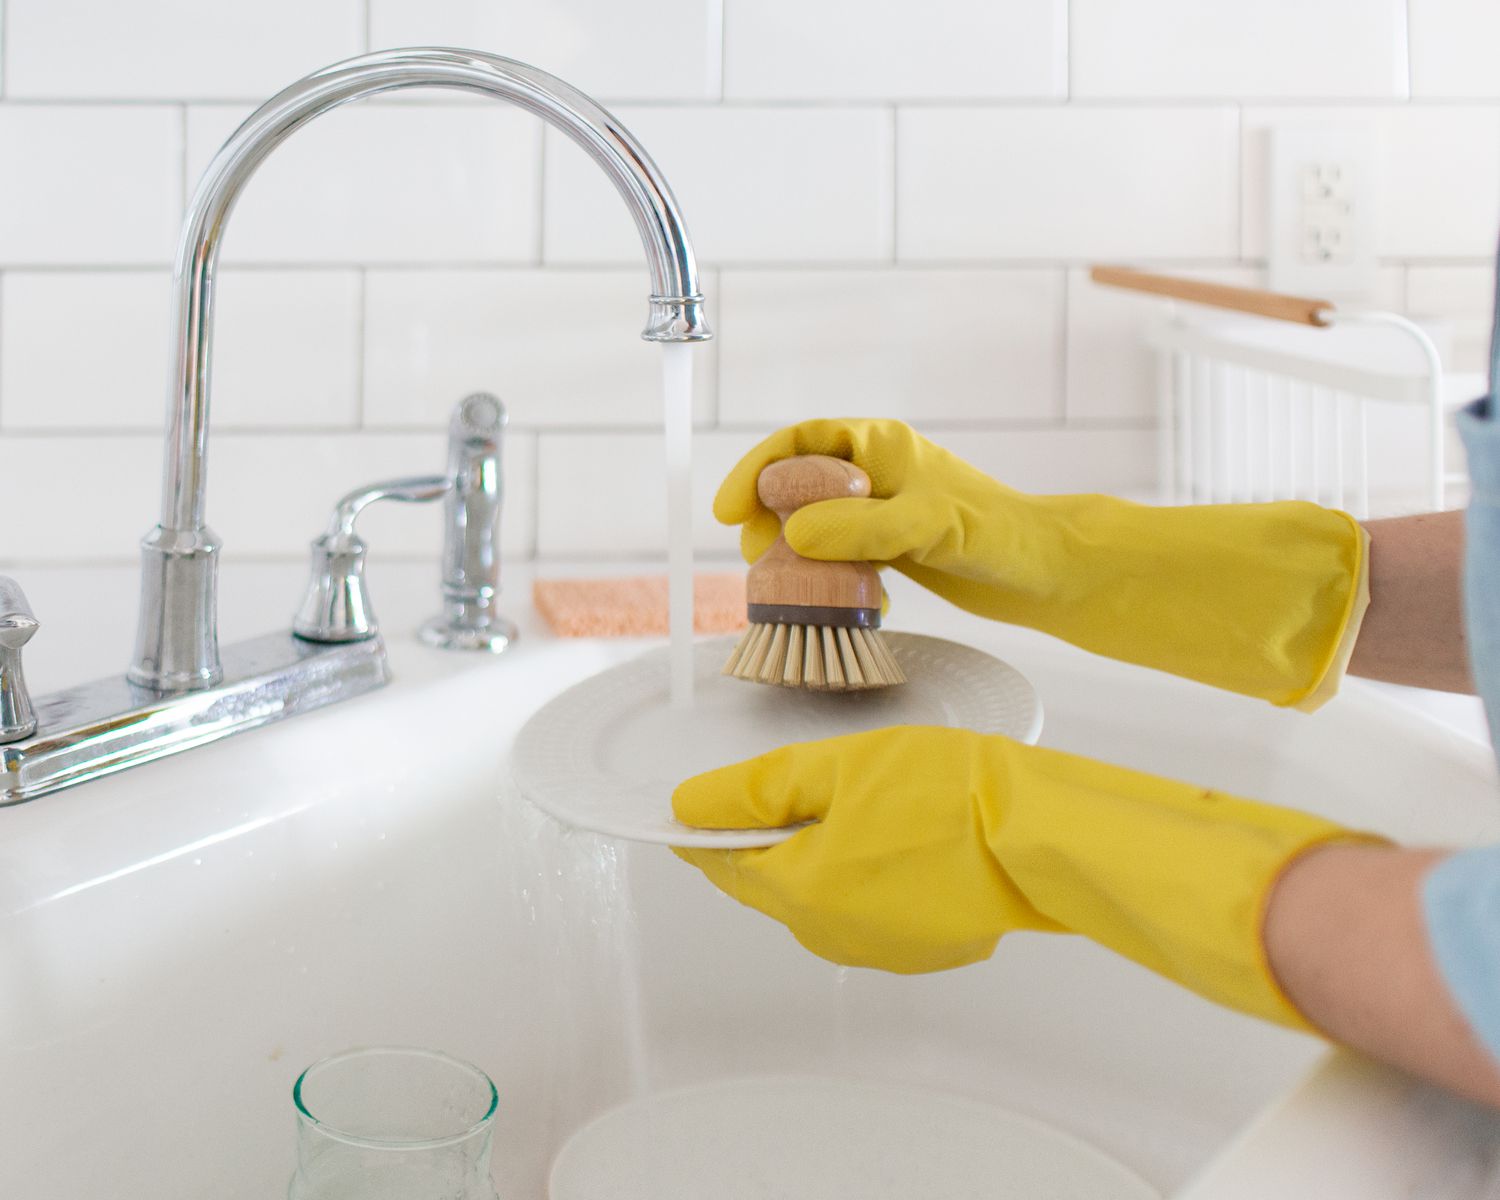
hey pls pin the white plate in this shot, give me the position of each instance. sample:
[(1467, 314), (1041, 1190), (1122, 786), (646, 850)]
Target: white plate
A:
[(829, 1139), (606, 754)]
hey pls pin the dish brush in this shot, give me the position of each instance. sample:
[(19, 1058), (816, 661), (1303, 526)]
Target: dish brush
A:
[(812, 624)]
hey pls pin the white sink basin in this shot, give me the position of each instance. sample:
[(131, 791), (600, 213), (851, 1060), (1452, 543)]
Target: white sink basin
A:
[(181, 939)]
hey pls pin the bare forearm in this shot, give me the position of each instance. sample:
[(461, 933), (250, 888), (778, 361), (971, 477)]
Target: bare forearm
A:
[(1346, 938), (1413, 631)]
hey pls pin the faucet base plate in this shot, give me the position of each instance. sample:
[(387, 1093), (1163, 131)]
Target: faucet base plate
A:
[(98, 728), (493, 637)]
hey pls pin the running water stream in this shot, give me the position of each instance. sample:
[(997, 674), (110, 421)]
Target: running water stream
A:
[(573, 886), (677, 394)]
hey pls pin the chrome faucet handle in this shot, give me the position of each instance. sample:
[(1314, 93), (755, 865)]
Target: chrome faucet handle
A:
[(336, 607), (470, 619), (17, 625)]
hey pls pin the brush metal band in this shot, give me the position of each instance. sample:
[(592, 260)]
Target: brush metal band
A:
[(808, 614)]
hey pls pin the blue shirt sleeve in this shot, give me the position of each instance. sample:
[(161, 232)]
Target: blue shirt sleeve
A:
[(1461, 901), (1461, 895)]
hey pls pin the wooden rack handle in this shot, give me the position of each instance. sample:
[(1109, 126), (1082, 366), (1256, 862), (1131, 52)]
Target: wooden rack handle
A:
[(1298, 309)]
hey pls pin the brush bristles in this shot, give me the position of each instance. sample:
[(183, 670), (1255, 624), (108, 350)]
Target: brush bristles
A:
[(822, 657)]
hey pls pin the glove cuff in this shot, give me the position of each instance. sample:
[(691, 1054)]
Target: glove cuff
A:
[(1172, 876), (1260, 599), (1359, 601)]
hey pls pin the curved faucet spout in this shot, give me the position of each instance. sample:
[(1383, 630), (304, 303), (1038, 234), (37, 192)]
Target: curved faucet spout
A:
[(177, 644)]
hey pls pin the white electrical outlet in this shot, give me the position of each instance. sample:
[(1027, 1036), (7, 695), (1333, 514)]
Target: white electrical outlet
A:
[(1321, 231)]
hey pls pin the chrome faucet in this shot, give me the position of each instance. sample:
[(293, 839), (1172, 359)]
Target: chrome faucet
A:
[(337, 605), (471, 538), (17, 720), (177, 639), (179, 691)]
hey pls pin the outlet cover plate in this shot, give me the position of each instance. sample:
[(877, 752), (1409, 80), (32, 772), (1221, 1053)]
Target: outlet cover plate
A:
[(1322, 219)]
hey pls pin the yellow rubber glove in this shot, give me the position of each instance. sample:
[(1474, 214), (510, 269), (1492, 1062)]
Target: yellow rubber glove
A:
[(931, 844), (1260, 599)]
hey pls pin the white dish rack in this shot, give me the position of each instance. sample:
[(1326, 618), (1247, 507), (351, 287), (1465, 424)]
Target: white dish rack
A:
[(1291, 398)]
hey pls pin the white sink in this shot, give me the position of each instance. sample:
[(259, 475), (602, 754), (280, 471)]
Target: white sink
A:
[(181, 939)]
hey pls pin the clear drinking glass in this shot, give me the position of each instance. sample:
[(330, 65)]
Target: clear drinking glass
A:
[(393, 1123)]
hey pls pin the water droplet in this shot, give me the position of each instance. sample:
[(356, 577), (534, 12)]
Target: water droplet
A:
[(197, 862)]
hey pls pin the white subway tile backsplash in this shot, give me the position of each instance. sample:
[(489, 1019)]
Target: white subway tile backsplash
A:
[(1061, 461), (159, 49), (892, 49), (1066, 183), (286, 349), (269, 495), (1462, 298), (623, 513), (1453, 48), (91, 349), (1111, 369), (665, 50), (83, 350), (560, 347), (1422, 151), (101, 494), (934, 345), (385, 183), (808, 185), (1271, 49), (896, 204), (89, 184)]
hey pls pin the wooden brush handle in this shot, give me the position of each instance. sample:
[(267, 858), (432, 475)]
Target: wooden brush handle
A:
[(787, 485), (783, 577)]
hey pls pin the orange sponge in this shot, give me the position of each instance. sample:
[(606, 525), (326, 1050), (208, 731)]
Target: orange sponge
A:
[(636, 607)]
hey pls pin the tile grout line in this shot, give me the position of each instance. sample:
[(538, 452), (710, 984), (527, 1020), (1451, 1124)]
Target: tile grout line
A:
[(4, 47), (825, 104), (1067, 16), (895, 184), (1062, 374), (539, 252), (535, 531), (1239, 182), (720, 8), (361, 341), (1185, 261), (716, 418), (644, 428), (623, 267), (182, 171), (1411, 66), (366, 23)]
